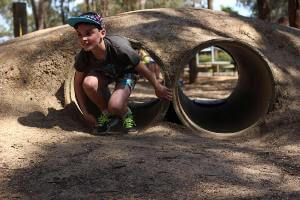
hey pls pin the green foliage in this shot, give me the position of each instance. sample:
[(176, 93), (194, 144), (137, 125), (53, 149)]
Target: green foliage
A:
[(5, 11), (220, 55), (54, 12), (223, 56), (117, 6), (204, 57), (30, 23), (4, 31), (53, 18), (229, 10), (3, 3), (164, 4)]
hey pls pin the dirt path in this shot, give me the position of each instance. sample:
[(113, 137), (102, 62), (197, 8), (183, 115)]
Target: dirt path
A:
[(46, 154)]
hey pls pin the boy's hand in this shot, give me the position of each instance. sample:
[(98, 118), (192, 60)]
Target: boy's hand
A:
[(90, 119), (163, 92)]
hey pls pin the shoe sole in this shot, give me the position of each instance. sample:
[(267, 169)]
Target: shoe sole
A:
[(131, 131)]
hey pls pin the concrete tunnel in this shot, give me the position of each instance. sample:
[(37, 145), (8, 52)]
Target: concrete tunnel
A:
[(247, 104)]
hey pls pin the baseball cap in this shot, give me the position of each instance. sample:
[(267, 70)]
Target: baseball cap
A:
[(89, 17)]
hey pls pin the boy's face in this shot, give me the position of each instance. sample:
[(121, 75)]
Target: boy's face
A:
[(89, 36)]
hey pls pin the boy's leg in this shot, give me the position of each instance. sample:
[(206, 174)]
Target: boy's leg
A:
[(118, 103), (95, 87)]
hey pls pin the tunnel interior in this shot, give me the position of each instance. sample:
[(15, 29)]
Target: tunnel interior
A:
[(244, 107)]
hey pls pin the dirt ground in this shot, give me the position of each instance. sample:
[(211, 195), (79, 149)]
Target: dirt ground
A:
[(45, 153)]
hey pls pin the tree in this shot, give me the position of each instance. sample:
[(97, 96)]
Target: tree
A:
[(275, 11), (19, 18), (87, 5), (104, 7), (264, 10), (294, 13), (142, 4), (49, 13), (210, 4), (39, 12), (62, 11)]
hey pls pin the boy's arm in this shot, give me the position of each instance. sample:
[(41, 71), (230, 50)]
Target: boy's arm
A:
[(160, 90), (81, 97)]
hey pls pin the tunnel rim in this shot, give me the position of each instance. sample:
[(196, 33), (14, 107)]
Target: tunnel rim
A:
[(182, 115)]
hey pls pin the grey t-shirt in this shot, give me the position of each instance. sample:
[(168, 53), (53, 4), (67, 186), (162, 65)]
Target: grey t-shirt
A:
[(120, 58)]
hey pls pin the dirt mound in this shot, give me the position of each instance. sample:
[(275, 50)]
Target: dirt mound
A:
[(46, 153)]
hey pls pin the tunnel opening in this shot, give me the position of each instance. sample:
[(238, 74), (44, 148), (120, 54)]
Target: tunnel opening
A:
[(209, 77), (146, 107), (242, 107)]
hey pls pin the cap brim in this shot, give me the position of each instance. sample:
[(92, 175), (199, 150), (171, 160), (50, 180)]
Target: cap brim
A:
[(75, 20)]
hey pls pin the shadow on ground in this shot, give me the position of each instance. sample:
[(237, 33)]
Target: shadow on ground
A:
[(160, 163), (67, 119)]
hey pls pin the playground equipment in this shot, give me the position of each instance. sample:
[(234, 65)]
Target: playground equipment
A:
[(266, 56), (175, 36)]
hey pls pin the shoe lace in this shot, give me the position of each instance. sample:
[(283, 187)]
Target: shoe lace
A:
[(128, 122), (102, 120)]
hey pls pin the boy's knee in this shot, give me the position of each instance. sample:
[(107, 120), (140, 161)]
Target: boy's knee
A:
[(115, 106), (90, 83)]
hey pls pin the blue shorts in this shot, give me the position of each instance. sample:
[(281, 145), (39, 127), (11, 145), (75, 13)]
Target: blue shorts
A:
[(126, 79)]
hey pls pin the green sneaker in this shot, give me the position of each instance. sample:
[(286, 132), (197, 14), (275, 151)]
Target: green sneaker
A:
[(105, 123), (129, 124)]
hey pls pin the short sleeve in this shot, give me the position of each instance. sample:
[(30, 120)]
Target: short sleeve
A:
[(81, 62), (129, 55), (123, 51)]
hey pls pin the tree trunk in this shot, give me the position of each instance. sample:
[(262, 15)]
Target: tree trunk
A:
[(210, 4), (87, 5), (294, 13), (193, 72), (94, 5), (264, 10), (42, 13), (34, 12), (297, 20), (125, 5), (104, 7), (130, 5), (62, 12), (142, 4), (134, 4), (19, 18)]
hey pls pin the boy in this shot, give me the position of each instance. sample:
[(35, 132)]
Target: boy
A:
[(103, 60)]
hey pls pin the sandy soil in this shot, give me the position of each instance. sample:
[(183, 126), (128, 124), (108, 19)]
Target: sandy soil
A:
[(45, 153)]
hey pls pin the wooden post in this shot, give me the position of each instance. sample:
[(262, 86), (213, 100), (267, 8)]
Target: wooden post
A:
[(20, 18), (193, 72)]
